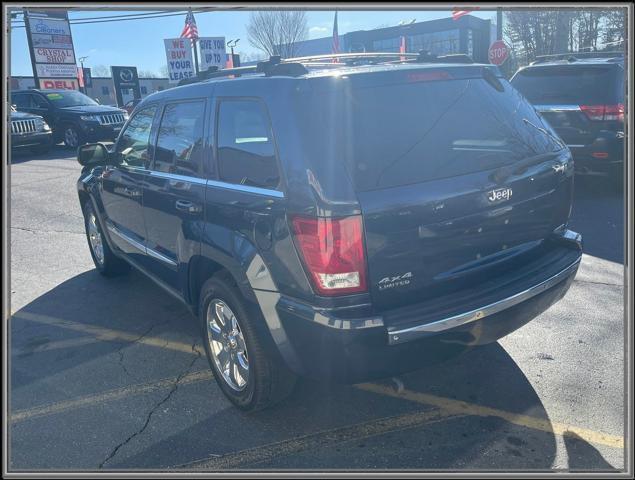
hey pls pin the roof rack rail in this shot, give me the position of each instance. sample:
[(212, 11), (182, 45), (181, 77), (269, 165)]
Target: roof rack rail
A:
[(346, 58), (574, 56), (426, 57), (270, 67)]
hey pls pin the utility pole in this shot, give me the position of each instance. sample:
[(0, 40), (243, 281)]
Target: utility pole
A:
[(194, 40), (499, 23)]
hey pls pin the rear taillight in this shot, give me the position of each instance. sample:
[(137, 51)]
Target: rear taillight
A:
[(332, 250), (604, 112)]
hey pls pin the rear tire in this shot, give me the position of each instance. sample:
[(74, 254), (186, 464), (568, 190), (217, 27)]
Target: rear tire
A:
[(248, 375), (106, 262)]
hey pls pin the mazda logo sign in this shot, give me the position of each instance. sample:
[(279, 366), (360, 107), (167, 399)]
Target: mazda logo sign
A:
[(126, 75)]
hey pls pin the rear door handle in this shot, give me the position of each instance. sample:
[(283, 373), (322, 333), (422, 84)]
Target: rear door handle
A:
[(187, 206)]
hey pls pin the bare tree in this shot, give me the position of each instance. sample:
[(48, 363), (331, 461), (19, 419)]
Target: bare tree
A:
[(100, 71), (148, 74), (277, 32), (553, 31)]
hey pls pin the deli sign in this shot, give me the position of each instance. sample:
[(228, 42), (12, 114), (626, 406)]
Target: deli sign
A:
[(59, 83), (54, 55)]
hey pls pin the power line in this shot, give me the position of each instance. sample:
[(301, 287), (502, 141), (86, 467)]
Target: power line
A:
[(113, 16), (139, 17)]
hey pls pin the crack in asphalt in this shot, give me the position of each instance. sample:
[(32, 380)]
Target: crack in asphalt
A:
[(173, 390), (599, 283), (120, 351), (33, 231)]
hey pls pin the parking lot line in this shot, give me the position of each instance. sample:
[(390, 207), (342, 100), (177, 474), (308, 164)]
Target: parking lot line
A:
[(108, 396), (321, 439), (452, 406), (58, 345), (104, 334)]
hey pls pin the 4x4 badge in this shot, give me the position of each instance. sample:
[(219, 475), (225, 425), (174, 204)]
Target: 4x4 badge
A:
[(396, 281), (499, 194)]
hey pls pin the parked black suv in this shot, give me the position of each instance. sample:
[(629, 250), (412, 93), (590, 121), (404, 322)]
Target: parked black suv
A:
[(338, 222), (583, 99), (30, 131), (74, 117)]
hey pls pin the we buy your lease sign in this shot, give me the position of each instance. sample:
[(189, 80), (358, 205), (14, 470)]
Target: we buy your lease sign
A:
[(178, 52)]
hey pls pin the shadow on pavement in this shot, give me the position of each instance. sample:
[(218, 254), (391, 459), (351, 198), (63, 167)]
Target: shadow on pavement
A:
[(598, 214), (487, 376), (57, 152), (583, 456)]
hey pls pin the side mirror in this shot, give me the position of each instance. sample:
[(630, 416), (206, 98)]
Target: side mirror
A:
[(93, 154), (98, 101)]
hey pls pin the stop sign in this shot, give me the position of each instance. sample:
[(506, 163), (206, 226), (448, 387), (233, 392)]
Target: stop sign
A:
[(498, 52)]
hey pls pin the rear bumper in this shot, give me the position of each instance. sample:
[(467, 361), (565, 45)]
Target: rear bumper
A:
[(342, 346), (604, 157)]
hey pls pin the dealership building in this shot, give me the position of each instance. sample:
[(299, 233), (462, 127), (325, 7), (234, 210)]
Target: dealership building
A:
[(468, 34)]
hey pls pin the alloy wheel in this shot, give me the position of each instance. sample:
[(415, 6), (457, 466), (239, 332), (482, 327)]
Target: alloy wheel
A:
[(95, 239), (227, 345), (71, 138)]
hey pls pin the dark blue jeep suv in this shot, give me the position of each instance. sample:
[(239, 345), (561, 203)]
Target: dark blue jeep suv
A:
[(346, 220)]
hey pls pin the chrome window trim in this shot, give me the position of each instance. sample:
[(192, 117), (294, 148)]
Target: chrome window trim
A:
[(407, 334), (211, 183), (246, 188), (557, 108), (179, 178)]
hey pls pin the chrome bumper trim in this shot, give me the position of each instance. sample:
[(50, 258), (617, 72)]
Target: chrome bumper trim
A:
[(412, 333)]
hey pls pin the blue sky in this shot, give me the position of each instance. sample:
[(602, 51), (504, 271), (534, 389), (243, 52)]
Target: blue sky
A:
[(140, 42)]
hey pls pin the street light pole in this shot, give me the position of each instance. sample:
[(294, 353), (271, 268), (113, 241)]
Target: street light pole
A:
[(231, 44)]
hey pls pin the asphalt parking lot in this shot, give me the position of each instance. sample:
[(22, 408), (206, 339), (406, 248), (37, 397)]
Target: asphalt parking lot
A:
[(111, 374)]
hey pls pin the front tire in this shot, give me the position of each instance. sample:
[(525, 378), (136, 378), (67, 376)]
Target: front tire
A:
[(249, 377), (106, 262), (72, 136)]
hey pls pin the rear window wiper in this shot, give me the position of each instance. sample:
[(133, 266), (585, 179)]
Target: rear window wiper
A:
[(546, 132), (502, 173)]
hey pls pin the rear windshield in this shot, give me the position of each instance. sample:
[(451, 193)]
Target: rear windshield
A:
[(408, 133), (576, 84)]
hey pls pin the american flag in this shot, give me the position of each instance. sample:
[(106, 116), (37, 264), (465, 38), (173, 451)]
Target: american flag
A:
[(190, 30), (402, 48), (456, 13), (336, 37)]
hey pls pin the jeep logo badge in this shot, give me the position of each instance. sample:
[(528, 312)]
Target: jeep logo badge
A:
[(499, 194)]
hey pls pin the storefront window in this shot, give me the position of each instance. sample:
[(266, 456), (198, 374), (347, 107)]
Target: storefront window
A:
[(386, 45), (438, 43)]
